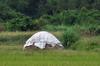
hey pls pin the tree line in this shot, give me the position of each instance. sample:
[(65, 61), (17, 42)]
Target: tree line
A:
[(27, 13)]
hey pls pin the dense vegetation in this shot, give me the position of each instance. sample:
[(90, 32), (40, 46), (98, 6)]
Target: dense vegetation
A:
[(26, 15)]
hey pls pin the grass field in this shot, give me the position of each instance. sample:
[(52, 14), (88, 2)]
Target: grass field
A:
[(13, 55)]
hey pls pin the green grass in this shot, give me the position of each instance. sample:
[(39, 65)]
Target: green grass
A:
[(13, 55)]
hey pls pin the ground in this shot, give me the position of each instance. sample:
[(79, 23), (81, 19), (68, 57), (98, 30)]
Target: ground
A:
[(13, 55)]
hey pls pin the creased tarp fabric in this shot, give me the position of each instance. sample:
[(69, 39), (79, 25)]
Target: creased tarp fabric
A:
[(41, 39)]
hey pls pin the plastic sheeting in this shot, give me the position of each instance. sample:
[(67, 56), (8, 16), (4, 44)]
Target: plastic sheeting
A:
[(40, 39)]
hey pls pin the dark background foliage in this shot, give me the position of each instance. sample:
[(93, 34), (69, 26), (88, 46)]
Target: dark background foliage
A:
[(37, 14)]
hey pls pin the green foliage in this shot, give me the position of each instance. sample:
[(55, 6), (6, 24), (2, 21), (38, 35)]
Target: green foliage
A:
[(65, 17), (18, 5), (38, 24), (50, 12), (2, 28), (69, 37), (6, 13), (36, 8), (73, 17), (69, 17), (97, 31), (89, 30), (86, 43), (19, 24)]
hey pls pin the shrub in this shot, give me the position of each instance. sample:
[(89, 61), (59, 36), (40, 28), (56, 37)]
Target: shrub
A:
[(69, 37), (65, 17), (90, 43), (38, 24), (97, 30), (92, 29), (88, 30), (19, 24), (2, 27)]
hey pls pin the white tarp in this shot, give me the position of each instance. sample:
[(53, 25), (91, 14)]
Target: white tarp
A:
[(40, 45), (40, 39)]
